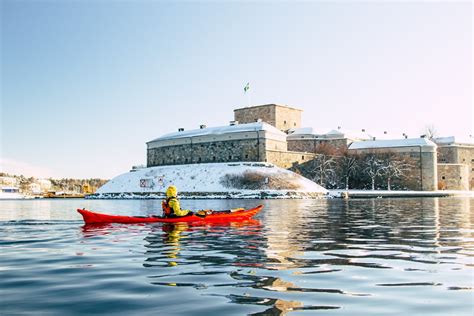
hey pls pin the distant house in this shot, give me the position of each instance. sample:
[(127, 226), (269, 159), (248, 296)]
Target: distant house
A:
[(10, 192)]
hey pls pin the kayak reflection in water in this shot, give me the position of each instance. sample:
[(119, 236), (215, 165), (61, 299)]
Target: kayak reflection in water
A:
[(172, 237), (171, 207)]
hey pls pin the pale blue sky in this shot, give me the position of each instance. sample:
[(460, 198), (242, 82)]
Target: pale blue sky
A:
[(86, 83)]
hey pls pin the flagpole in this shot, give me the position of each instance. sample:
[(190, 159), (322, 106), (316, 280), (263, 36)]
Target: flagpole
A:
[(246, 91)]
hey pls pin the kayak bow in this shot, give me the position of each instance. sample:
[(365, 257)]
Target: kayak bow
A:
[(214, 216)]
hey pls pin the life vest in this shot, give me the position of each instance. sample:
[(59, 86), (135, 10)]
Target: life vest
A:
[(167, 209)]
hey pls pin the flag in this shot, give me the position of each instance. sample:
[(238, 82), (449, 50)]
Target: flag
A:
[(247, 86)]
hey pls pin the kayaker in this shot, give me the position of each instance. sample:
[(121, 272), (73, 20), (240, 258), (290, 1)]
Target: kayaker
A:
[(171, 206)]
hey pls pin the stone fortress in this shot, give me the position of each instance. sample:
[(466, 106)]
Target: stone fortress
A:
[(273, 133)]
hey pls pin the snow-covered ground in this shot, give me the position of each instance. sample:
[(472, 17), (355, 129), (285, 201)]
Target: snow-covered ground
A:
[(212, 180)]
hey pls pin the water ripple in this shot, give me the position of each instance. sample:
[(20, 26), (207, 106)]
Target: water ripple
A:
[(366, 257)]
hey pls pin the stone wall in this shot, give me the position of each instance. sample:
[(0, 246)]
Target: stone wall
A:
[(271, 144), (252, 114), (311, 144), (429, 171), (222, 151), (286, 159), (286, 118), (459, 154), (453, 177), (282, 117)]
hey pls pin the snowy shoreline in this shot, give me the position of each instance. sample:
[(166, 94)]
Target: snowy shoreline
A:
[(254, 194), (332, 194), (395, 194), (240, 180)]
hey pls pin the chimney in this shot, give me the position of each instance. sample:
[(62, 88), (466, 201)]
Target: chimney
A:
[(180, 129), (232, 123), (259, 120), (202, 126)]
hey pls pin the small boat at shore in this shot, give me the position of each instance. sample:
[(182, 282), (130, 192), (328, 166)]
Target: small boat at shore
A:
[(12, 193), (210, 216)]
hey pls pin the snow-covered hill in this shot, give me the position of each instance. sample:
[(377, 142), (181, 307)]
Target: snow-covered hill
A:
[(212, 180)]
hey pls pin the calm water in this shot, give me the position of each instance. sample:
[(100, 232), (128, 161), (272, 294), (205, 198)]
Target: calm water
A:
[(329, 257)]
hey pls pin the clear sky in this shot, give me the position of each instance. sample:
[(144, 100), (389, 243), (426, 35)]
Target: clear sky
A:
[(85, 84)]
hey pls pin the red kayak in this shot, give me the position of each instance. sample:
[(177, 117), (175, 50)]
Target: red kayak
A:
[(209, 216)]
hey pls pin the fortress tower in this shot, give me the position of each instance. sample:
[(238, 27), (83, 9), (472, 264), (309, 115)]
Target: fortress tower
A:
[(281, 116)]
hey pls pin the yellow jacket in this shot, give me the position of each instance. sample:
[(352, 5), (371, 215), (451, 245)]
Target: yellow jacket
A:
[(173, 202)]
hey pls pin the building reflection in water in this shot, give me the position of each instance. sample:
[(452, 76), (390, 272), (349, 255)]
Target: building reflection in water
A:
[(321, 234), (285, 222)]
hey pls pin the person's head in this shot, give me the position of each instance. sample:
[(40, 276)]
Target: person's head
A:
[(171, 191)]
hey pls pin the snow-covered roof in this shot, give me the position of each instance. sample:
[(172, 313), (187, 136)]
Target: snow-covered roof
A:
[(301, 131), (309, 132), (390, 143), (453, 140), (219, 130)]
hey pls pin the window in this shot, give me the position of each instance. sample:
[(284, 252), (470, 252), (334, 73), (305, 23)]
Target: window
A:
[(230, 157), (186, 160), (442, 177), (294, 124), (302, 157), (199, 159), (214, 158), (284, 122), (246, 156)]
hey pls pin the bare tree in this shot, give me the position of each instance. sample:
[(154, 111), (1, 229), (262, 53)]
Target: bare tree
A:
[(430, 131), (348, 167), (322, 168), (394, 166), (373, 167)]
